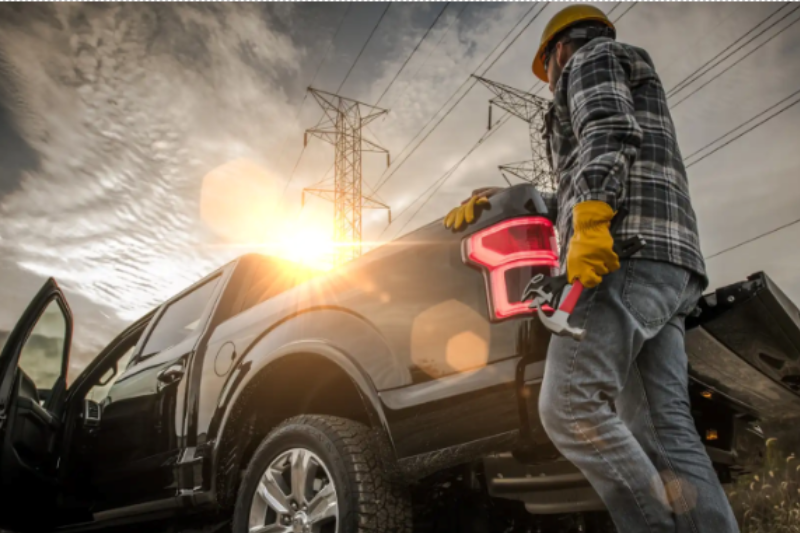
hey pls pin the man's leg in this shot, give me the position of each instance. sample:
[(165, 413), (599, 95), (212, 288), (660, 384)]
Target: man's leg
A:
[(655, 406), (581, 382)]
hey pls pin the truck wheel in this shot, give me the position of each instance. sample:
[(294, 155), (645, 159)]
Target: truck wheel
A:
[(319, 474)]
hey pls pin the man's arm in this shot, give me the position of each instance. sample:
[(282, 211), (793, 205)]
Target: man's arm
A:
[(602, 113)]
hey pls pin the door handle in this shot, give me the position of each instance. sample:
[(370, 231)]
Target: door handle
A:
[(171, 374)]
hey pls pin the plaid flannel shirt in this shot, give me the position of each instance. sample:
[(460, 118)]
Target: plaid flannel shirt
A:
[(611, 138)]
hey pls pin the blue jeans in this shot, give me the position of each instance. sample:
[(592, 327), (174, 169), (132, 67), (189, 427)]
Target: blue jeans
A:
[(617, 403)]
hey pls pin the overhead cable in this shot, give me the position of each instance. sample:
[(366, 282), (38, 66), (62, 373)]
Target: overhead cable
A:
[(746, 131), (468, 83), (679, 102), (701, 70), (305, 93), (414, 51)]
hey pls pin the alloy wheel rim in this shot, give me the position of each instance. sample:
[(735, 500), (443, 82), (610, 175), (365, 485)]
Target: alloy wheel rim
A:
[(296, 494)]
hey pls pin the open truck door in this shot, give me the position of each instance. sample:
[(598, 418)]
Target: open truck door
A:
[(33, 384)]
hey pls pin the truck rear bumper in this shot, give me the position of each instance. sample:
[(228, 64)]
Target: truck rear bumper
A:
[(553, 488)]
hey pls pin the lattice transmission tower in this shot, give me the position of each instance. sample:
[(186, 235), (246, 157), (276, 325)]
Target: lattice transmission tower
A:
[(342, 126), (531, 109)]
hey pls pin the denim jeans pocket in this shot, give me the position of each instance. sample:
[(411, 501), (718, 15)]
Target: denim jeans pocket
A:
[(654, 290)]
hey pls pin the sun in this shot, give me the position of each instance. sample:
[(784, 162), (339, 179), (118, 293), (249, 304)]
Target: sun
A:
[(308, 240), (241, 202)]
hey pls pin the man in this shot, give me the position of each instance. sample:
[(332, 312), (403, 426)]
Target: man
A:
[(616, 403)]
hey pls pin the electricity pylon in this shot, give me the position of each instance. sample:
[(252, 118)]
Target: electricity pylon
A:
[(341, 126), (531, 109)]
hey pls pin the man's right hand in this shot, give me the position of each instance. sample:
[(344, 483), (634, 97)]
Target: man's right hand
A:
[(470, 209)]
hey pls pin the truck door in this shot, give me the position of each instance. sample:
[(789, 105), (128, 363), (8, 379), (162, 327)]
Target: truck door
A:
[(141, 436), (33, 383)]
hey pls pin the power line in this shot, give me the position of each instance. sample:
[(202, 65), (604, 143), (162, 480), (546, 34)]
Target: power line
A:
[(460, 87), (355, 62), (625, 12), (695, 45), (296, 164), (366, 43), (613, 9), (775, 230), (729, 67), (434, 188), (697, 74), (305, 93), (748, 130), (446, 32), (765, 111), (412, 53), (436, 185), (757, 237), (469, 85)]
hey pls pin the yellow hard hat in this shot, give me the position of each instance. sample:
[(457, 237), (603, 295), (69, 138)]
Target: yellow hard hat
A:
[(569, 16)]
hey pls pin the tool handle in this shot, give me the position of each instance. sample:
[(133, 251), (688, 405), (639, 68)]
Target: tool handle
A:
[(571, 299)]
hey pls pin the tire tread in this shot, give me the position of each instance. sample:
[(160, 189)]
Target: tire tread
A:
[(377, 505)]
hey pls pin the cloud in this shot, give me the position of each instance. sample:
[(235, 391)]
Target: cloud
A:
[(126, 107)]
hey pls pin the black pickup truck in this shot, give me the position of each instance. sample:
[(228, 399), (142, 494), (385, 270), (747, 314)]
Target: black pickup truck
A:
[(398, 391)]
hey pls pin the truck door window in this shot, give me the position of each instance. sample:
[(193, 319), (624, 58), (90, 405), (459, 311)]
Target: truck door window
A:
[(180, 320), (43, 353), (99, 392)]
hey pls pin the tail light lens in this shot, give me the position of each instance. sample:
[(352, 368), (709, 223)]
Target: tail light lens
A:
[(511, 253)]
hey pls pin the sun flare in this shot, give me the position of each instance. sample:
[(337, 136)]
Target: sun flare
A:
[(241, 202), (307, 240)]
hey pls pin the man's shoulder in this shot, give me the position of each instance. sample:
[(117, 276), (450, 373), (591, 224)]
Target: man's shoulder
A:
[(597, 53), (605, 45)]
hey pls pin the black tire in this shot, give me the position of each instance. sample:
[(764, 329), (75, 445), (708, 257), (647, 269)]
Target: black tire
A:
[(367, 501)]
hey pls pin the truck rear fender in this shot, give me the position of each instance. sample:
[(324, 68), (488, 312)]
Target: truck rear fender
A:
[(272, 351)]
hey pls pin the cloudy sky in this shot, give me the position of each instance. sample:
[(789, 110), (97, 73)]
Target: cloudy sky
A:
[(144, 145)]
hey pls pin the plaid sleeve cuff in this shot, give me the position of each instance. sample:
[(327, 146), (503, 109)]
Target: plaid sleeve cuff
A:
[(599, 196)]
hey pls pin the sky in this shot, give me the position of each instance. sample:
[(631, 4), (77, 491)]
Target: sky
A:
[(144, 145)]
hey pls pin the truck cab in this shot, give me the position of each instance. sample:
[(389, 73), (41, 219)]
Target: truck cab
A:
[(115, 444)]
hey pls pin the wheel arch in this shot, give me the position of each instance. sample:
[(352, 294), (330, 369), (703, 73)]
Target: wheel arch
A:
[(334, 385)]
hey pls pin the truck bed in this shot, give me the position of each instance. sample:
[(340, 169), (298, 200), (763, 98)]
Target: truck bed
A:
[(744, 344)]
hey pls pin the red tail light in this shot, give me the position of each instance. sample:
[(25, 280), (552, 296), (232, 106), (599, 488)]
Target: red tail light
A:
[(510, 253)]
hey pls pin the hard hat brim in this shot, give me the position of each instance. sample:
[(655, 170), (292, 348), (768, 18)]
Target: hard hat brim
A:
[(538, 65)]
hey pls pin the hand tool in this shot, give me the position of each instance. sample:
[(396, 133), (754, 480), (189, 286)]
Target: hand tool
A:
[(547, 289)]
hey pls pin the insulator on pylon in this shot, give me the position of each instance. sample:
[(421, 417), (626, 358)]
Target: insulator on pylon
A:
[(489, 127), (388, 160), (305, 139)]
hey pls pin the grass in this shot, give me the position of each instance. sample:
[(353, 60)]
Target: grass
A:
[(768, 500)]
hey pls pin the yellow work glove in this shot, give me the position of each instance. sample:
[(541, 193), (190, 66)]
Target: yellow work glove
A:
[(591, 254), (466, 212)]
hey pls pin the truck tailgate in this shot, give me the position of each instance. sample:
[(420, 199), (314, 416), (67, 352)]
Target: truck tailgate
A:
[(744, 342)]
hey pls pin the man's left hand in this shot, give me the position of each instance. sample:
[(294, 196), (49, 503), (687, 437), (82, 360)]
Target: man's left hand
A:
[(591, 249)]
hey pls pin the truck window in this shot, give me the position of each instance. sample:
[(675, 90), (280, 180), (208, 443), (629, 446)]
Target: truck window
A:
[(100, 391), (180, 320), (43, 353)]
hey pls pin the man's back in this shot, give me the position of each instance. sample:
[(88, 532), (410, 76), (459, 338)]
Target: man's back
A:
[(613, 140)]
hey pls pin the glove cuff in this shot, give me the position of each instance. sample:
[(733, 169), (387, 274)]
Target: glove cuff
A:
[(591, 214)]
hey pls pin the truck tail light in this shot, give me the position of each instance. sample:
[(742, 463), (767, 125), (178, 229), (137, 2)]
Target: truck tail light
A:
[(510, 254)]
